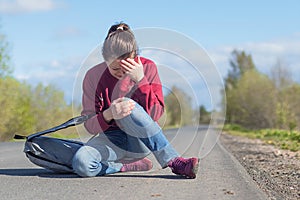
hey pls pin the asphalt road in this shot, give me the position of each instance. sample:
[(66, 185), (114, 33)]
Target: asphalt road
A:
[(220, 176)]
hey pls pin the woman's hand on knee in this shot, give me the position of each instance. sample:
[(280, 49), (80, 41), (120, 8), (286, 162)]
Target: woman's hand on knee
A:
[(121, 108)]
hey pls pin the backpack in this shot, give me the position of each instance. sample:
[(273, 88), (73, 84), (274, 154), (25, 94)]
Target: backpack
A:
[(53, 153)]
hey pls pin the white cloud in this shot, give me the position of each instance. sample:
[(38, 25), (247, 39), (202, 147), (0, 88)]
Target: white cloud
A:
[(25, 6), (61, 73), (264, 54), (55, 63)]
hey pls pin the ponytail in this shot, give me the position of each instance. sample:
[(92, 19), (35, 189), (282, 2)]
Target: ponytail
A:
[(119, 43)]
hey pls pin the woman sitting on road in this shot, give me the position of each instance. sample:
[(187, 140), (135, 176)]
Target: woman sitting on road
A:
[(126, 93)]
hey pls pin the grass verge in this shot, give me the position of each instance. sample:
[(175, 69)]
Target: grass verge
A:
[(283, 139)]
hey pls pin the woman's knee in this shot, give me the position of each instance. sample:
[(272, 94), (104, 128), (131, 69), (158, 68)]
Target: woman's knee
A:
[(138, 109), (139, 115), (87, 162)]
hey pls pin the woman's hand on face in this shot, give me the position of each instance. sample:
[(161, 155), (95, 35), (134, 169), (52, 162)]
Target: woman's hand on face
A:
[(121, 108), (134, 69)]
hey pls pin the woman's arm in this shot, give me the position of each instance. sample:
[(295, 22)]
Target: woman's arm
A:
[(92, 102), (148, 92)]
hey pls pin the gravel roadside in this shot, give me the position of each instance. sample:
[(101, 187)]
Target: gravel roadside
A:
[(277, 172)]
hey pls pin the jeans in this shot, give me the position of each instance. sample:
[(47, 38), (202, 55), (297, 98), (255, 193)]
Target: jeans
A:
[(138, 137)]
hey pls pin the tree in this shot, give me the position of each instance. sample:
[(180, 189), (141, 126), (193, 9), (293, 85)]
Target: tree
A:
[(253, 101), (281, 76), (282, 80), (5, 68), (205, 116), (287, 96), (48, 106), (26, 110), (291, 97), (240, 63), (178, 108), (256, 101), (15, 113), (287, 110)]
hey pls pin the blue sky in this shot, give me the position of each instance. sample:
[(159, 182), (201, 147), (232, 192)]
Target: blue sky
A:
[(49, 39)]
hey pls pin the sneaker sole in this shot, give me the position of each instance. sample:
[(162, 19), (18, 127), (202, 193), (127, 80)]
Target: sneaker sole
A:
[(195, 169)]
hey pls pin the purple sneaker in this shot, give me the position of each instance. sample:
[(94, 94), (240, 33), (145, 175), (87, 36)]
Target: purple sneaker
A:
[(184, 166)]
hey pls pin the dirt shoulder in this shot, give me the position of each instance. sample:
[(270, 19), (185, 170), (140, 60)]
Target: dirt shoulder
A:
[(277, 172)]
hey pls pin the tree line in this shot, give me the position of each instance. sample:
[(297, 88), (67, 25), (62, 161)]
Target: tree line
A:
[(180, 112), (26, 109), (252, 99), (258, 101)]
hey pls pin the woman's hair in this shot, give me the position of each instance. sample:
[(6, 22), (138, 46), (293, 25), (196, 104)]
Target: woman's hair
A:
[(119, 43)]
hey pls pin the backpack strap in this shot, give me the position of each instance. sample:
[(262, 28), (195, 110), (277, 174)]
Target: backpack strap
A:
[(72, 122)]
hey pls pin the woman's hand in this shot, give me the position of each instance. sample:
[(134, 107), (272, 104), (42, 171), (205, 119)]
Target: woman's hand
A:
[(119, 109), (134, 69)]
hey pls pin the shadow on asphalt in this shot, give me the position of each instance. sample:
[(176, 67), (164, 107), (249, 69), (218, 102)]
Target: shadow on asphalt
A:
[(35, 172), (44, 173), (174, 177)]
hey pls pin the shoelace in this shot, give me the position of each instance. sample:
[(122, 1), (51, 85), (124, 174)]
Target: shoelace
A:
[(179, 165)]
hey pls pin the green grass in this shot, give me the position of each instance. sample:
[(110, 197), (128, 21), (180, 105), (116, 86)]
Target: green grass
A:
[(283, 139)]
